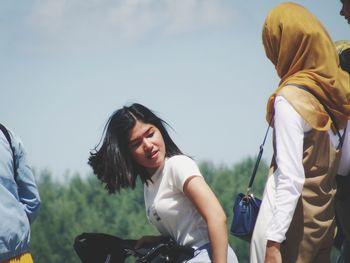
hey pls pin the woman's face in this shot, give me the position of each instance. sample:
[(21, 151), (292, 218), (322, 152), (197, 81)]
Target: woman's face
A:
[(147, 146), (345, 11)]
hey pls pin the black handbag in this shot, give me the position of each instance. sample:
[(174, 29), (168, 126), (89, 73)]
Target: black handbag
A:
[(246, 205), (165, 251), (104, 248)]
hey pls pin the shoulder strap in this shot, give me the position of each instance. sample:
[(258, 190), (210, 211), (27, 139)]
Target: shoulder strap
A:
[(330, 114), (8, 137), (261, 150)]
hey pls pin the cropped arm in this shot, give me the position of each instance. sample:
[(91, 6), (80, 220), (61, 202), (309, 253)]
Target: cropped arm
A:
[(198, 191)]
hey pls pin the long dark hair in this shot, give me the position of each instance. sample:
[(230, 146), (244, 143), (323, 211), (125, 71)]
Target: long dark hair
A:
[(112, 162)]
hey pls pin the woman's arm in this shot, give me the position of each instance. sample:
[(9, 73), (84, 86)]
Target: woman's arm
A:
[(198, 191), (289, 177)]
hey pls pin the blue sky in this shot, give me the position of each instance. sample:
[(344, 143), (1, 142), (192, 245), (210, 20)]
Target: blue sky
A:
[(67, 65)]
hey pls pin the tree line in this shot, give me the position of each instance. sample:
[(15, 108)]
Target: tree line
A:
[(83, 205)]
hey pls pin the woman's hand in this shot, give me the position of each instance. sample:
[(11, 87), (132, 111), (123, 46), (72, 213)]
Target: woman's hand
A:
[(273, 252), (147, 241)]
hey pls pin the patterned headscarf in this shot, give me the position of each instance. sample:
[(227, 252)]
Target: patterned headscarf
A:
[(304, 54)]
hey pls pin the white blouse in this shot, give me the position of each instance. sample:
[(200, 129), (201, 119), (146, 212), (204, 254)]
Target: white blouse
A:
[(290, 176)]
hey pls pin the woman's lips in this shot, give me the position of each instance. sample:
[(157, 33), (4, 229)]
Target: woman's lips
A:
[(153, 155)]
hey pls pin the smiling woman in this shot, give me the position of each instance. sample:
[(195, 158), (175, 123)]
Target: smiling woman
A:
[(179, 203)]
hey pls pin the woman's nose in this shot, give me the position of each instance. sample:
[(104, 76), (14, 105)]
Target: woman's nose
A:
[(147, 144)]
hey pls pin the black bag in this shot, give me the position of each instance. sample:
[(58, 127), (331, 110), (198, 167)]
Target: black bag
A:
[(165, 251), (103, 248), (246, 206)]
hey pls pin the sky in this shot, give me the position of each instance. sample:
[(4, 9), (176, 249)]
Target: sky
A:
[(67, 65)]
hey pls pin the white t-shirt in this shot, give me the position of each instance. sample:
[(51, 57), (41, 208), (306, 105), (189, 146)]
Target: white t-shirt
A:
[(169, 209), (290, 176)]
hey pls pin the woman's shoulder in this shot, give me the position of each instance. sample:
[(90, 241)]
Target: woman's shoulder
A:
[(179, 159), (181, 162), (181, 167)]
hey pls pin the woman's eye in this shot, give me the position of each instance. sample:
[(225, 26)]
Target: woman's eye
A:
[(150, 135), (135, 144)]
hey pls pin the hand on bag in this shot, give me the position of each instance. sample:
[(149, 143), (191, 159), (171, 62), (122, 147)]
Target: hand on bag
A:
[(273, 253), (147, 241)]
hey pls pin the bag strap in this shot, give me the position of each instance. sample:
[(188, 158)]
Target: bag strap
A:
[(261, 150), (341, 137), (8, 138)]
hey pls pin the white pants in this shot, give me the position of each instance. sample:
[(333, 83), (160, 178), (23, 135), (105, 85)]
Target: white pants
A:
[(204, 255), (259, 240)]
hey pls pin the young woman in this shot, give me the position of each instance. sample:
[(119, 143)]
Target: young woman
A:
[(178, 201), (296, 221)]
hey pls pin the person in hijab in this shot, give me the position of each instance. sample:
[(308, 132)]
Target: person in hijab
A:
[(342, 197), (309, 109)]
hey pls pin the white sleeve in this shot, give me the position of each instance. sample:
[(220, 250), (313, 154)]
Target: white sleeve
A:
[(182, 167), (289, 177)]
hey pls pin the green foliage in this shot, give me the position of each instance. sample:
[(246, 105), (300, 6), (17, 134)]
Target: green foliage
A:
[(83, 205), (227, 183)]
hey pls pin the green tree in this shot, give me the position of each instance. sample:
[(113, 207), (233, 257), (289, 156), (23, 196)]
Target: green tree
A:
[(79, 206), (83, 205), (227, 183)]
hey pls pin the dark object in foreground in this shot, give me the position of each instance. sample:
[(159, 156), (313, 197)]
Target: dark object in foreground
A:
[(104, 248)]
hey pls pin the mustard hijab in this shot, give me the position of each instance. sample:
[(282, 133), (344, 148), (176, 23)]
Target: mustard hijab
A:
[(304, 54)]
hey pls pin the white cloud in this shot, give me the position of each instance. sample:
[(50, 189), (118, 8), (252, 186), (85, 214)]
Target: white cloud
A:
[(192, 15), (126, 18), (48, 16), (132, 18)]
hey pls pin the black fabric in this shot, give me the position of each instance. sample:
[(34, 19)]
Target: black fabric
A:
[(343, 184), (343, 187), (104, 248), (344, 256), (342, 201), (8, 137), (344, 58), (165, 251)]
